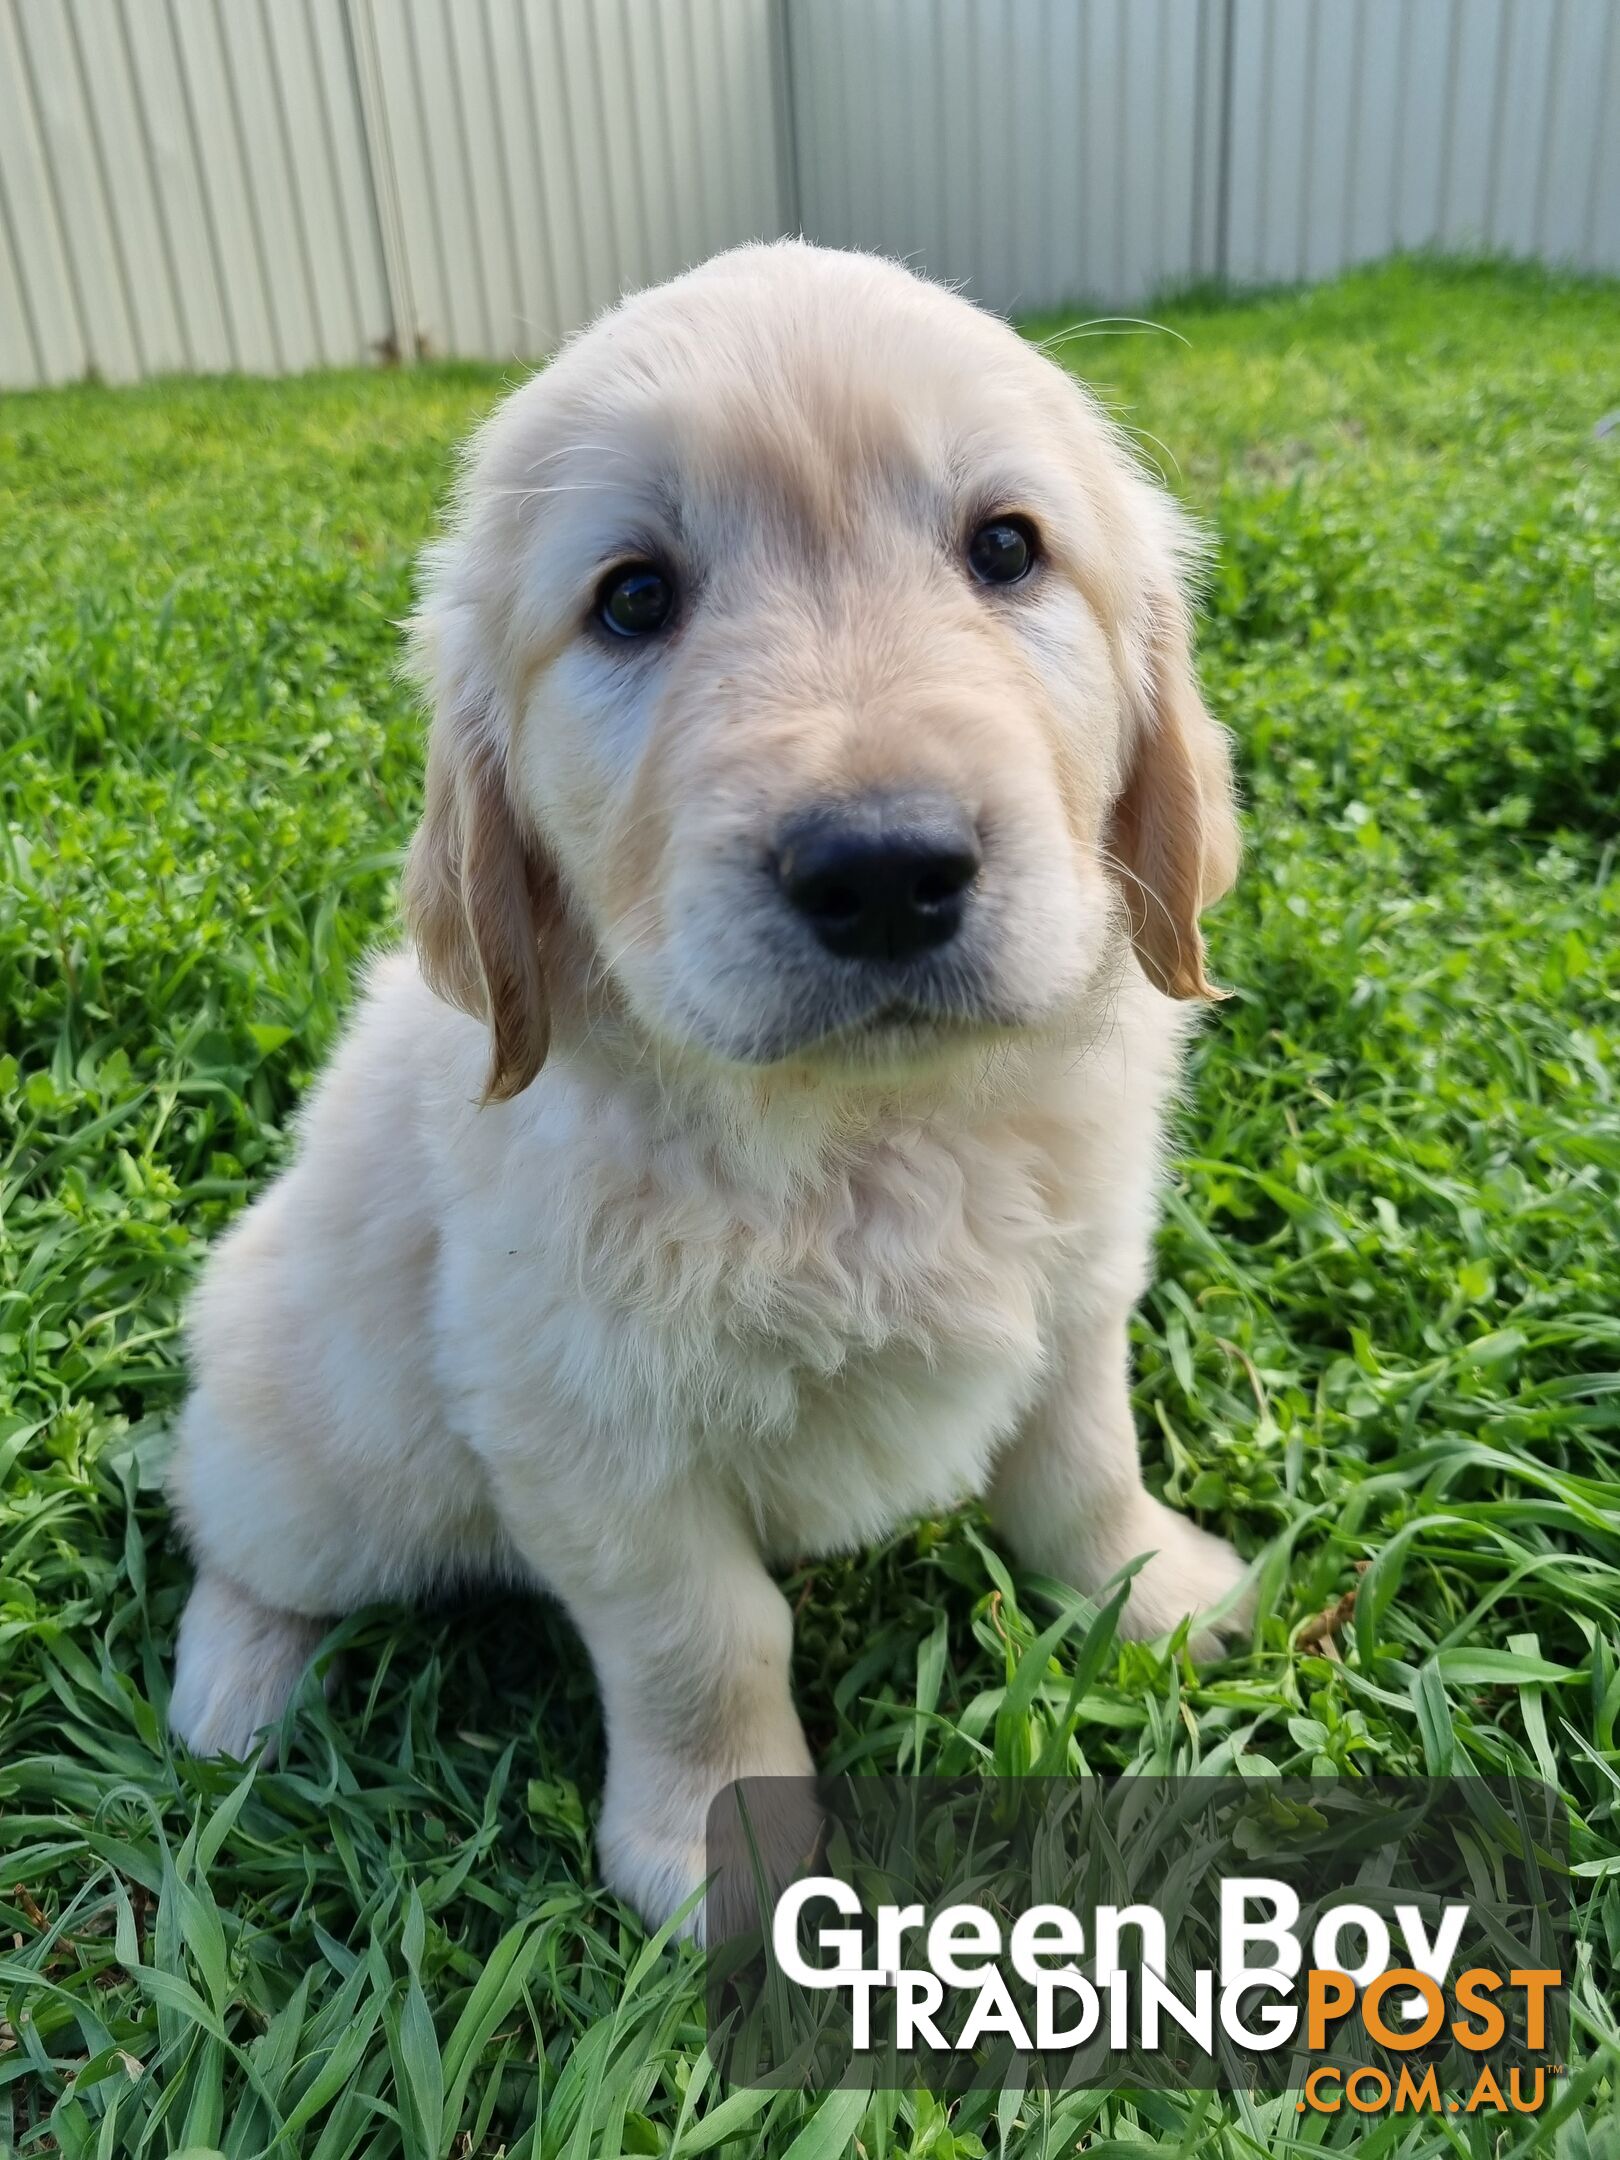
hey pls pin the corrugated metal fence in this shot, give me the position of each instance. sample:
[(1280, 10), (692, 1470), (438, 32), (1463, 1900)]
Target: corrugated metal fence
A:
[(280, 184)]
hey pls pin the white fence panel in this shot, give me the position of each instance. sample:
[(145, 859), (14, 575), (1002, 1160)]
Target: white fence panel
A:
[(75, 186), (184, 185), (551, 154), (183, 207), (281, 184), (1356, 129), (1584, 108), (1032, 151), (236, 261), (48, 326)]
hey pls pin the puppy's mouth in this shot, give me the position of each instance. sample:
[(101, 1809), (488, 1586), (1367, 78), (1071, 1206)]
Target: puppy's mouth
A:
[(904, 1016), (862, 1024)]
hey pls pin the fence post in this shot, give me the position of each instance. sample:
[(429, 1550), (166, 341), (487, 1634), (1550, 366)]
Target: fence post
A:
[(787, 124), (1212, 158), (360, 36)]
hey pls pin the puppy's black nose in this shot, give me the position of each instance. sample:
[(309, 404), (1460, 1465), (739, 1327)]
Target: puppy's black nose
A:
[(881, 877)]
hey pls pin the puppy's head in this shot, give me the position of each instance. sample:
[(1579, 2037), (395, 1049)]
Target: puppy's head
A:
[(811, 680)]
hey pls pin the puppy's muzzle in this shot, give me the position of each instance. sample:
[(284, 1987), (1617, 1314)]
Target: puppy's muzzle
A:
[(881, 876)]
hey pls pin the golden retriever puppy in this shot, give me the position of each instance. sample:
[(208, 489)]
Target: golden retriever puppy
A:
[(758, 1146)]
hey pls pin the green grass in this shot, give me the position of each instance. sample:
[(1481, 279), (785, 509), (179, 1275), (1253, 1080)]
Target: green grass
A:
[(1384, 1329)]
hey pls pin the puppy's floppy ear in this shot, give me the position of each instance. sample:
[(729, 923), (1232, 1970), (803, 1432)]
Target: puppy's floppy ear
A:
[(1174, 824), (477, 891)]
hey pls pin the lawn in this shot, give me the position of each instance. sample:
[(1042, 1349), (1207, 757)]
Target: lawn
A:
[(1383, 1342)]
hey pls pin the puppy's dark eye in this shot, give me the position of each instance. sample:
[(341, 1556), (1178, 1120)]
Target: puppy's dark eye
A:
[(1002, 551), (635, 600)]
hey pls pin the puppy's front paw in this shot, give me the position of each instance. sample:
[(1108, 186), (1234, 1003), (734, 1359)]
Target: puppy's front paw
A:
[(236, 1665), (1188, 1571), (662, 1838)]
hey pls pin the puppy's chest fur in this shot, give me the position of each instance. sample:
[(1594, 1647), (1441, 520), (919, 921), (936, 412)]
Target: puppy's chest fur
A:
[(846, 1331)]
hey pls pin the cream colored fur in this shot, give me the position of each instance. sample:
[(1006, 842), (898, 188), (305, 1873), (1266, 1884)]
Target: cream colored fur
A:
[(637, 1254)]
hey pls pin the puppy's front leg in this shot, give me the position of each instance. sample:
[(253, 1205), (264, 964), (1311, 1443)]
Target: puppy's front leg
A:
[(691, 1642), (1069, 1497)]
